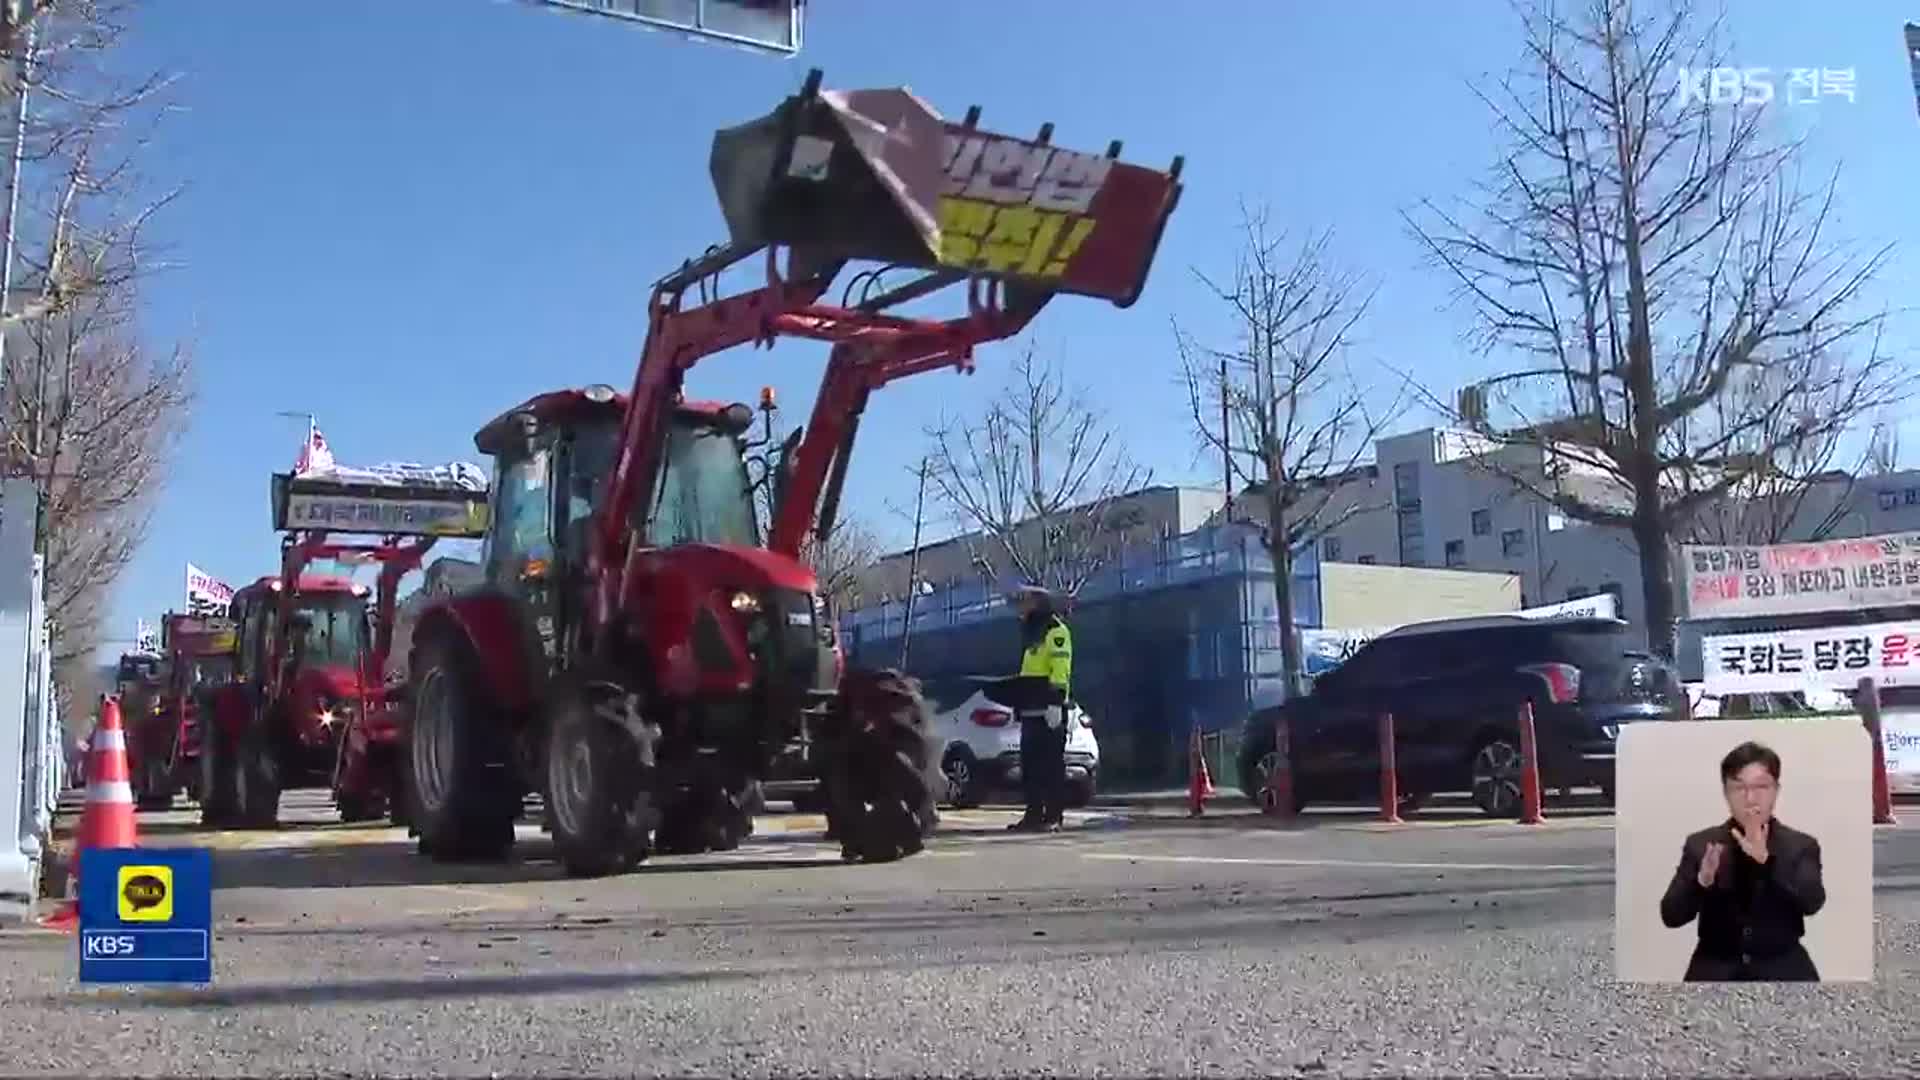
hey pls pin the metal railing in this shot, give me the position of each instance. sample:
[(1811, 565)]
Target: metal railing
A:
[(32, 754)]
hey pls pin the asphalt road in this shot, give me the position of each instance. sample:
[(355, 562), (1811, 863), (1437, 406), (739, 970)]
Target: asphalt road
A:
[(1128, 945)]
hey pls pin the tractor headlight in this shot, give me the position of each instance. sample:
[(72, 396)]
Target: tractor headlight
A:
[(336, 713), (745, 603)]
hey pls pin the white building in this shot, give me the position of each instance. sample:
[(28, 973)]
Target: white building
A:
[(1447, 498), (1133, 518)]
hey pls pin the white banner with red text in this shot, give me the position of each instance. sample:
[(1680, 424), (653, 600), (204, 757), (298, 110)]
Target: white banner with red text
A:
[(1827, 658), (206, 594), (1736, 581)]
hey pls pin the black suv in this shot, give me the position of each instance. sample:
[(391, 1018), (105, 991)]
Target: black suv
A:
[(1454, 688)]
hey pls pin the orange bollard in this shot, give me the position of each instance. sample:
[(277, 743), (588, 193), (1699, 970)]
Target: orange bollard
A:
[(107, 821), (1389, 773), (1277, 799), (1529, 768), (1199, 780), (1866, 698)]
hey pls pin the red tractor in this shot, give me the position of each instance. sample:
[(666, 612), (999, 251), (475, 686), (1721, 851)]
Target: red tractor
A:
[(137, 684), (639, 655), (197, 656), (298, 678), (311, 708)]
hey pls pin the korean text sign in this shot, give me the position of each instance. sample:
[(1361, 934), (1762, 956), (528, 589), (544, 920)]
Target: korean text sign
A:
[(1784, 579), (146, 915), (1832, 658)]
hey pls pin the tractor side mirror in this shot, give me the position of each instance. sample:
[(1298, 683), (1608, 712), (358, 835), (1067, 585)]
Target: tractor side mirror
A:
[(523, 429)]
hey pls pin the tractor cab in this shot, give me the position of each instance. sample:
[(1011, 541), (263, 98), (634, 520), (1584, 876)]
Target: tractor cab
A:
[(308, 650), (552, 456)]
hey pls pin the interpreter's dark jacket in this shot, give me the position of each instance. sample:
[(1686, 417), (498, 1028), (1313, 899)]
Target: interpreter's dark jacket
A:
[(1753, 915)]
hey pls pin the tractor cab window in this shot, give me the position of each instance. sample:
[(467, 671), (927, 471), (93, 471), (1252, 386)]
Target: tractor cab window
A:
[(522, 504), (335, 630), (589, 459), (704, 495), (209, 671)]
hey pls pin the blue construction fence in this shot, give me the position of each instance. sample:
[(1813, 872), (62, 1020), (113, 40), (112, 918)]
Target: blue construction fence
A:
[(1171, 635)]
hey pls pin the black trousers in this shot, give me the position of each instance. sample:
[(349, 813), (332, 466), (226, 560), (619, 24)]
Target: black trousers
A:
[(1043, 768), (1791, 965)]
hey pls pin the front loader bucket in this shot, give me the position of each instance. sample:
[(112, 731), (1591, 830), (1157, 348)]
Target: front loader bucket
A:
[(878, 175)]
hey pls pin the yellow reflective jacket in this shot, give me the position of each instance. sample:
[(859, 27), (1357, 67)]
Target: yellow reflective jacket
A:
[(1051, 657)]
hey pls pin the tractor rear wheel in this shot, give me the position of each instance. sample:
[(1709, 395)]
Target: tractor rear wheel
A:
[(881, 807), (463, 802), (598, 798)]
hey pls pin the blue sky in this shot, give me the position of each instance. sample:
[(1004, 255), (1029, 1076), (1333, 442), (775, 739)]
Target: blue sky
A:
[(404, 217)]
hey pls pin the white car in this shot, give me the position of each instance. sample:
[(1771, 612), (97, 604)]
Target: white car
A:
[(977, 744)]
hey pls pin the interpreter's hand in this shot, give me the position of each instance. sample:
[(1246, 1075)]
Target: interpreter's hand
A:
[(1710, 864), (1753, 840)]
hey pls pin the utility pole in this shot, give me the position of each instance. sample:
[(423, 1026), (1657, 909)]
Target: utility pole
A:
[(913, 563), (1226, 446)]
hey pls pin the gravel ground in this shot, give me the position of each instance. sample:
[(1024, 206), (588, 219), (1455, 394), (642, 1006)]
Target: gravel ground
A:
[(1162, 948)]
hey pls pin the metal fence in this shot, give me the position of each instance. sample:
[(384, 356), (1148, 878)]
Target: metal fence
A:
[(1172, 635), (32, 754)]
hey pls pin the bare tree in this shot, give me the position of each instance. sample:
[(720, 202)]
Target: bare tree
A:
[(1279, 403), (1803, 491), (1037, 473), (1684, 323), (838, 562), (838, 558), (89, 411)]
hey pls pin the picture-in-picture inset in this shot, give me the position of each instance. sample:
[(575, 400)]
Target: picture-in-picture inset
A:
[(1744, 852)]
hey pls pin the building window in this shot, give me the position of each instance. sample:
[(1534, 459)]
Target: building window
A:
[(1456, 553), (1406, 484), (1483, 523), (1366, 560), (1330, 549), (1513, 542)]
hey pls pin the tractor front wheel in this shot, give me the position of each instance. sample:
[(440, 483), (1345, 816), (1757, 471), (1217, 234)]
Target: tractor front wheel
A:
[(881, 806), (598, 787), (218, 803), (256, 779), (464, 804)]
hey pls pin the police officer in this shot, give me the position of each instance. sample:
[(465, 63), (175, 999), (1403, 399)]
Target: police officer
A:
[(1046, 670)]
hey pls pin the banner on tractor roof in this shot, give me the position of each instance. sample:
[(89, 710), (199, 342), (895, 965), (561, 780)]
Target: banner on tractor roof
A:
[(1826, 658), (1738, 581), (316, 504), (206, 595)]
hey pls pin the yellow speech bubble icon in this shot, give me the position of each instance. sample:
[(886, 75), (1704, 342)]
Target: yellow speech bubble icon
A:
[(145, 894)]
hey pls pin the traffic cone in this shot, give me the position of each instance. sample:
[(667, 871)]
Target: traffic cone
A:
[(1530, 794), (1199, 781), (107, 821)]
